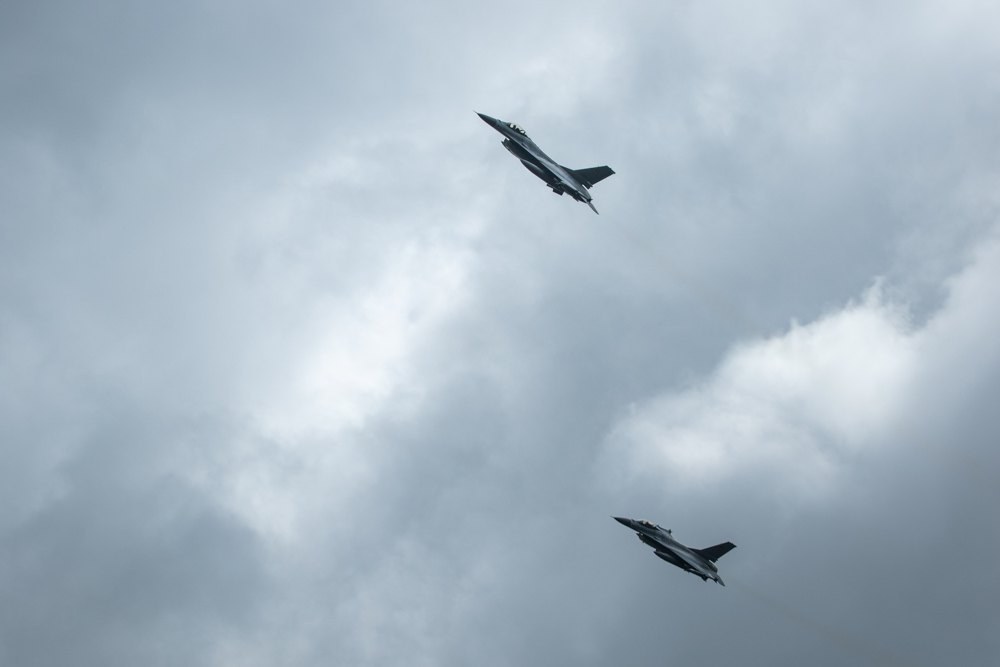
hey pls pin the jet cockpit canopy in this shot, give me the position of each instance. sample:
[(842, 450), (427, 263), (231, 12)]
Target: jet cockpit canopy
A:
[(517, 128)]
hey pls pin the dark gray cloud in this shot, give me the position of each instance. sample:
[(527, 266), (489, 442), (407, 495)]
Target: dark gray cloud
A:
[(301, 368), (128, 560)]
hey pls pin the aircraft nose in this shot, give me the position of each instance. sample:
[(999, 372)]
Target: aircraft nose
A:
[(489, 120), (623, 521)]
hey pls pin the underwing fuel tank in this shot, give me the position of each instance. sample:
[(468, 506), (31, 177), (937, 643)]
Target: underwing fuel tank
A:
[(537, 171), (670, 558)]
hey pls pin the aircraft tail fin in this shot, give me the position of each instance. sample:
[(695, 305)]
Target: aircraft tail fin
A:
[(718, 551), (592, 175)]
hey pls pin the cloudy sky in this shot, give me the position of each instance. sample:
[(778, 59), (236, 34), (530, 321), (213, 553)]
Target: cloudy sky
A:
[(299, 367)]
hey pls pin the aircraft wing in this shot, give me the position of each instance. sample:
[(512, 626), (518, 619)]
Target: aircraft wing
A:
[(691, 562)]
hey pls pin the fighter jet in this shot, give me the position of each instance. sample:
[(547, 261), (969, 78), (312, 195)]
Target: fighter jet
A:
[(700, 562), (561, 179)]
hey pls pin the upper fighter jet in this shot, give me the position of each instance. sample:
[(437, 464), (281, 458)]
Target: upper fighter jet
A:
[(696, 561), (561, 179)]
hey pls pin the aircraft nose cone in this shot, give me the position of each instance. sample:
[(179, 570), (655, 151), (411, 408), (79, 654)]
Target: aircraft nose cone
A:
[(487, 119), (622, 521)]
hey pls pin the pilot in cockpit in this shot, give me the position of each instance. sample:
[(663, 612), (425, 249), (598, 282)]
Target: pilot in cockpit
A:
[(650, 524)]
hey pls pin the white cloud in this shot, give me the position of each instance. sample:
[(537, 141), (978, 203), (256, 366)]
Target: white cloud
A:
[(792, 407), (346, 289), (357, 362)]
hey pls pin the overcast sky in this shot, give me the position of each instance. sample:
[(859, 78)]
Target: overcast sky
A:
[(299, 367)]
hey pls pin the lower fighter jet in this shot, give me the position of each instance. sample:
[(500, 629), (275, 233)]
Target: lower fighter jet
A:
[(696, 561), (561, 179)]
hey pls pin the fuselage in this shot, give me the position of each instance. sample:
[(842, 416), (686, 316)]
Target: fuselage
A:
[(665, 543), (537, 162), (667, 548)]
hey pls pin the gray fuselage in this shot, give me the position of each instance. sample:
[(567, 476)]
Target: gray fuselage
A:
[(537, 162), (667, 548)]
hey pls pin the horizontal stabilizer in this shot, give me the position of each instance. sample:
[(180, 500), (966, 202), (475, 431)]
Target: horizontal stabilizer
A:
[(718, 551), (592, 175)]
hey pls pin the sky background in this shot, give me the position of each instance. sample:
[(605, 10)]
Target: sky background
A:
[(299, 367)]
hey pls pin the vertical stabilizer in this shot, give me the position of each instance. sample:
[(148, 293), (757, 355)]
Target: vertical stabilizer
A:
[(716, 552)]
